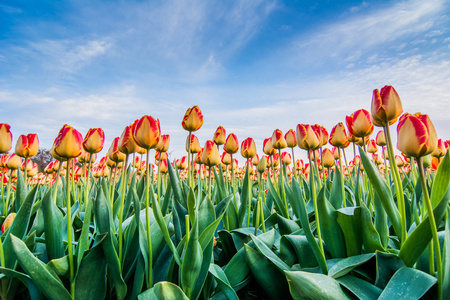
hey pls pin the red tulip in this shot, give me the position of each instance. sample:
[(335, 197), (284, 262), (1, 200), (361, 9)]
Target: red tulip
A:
[(248, 148), (359, 123), (416, 135), (290, 138), (219, 136), (210, 155), (338, 136), (231, 144), (94, 140), (127, 144), (193, 119), (306, 137), (5, 138), (27, 145), (268, 148), (114, 153), (147, 132), (278, 140), (68, 143), (386, 106), (163, 144)]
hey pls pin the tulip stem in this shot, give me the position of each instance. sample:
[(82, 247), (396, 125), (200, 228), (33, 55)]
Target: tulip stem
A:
[(69, 232), (122, 200), (283, 192), (249, 185), (294, 169), (8, 193), (189, 159), (147, 224), (344, 202), (433, 226), (397, 181), (316, 211), (25, 172), (232, 181)]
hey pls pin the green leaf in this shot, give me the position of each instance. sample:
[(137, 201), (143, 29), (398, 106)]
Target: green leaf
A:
[(446, 259), (371, 238), (441, 182), (244, 198), (337, 190), (223, 282), (42, 275), (408, 283), (60, 266), (54, 225), (269, 277), (304, 285), (33, 290), (192, 262), (175, 184), (303, 250), (90, 282), (383, 191), (163, 290), (350, 221), (269, 254), (360, 288), (344, 266)]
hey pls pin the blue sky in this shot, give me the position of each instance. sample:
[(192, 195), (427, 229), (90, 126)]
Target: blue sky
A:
[(251, 66)]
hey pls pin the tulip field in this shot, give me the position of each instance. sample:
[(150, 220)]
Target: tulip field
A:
[(371, 225)]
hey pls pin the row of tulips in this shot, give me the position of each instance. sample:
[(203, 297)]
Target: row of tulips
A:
[(202, 227)]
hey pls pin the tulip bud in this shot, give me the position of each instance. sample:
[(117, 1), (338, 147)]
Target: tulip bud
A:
[(262, 164), (248, 148), (163, 168), (290, 138), (226, 158), (328, 158), (219, 136), (5, 138), (386, 106), (372, 146), (381, 138), (147, 132), (161, 156), (14, 161), (306, 137), (195, 145), (338, 136), (127, 144), (359, 123), (8, 222), (268, 148), (416, 135), (427, 159), (94, 140), (335, 151), (231, 144), (255, 160), (440, 149), (198, 157), (182, 163), (163, 144), (193, 119), (27, 145), (278, 141), (286, 158), (210, 155), (113, 152), (318, 131), (324, 133), (68, 143)]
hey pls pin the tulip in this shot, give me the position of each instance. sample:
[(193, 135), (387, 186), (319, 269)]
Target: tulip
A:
[(372, 146), (248, 148), (278, 140), (163, 144), (147, 132), (386, 106), (324, 133), (27, 145), (127, 144), (163, 167), (226, 158), (198, 157), (306, 137), (8, 222), (290, 138), (359, 123), (94, 140), (286, 158), (14, 161), (5, 138), (416, 135), (318, 131), (255, 160), (182, 163), (440, 150), (114, 153), (219, 136), (268, 147), (68, 143), (262, 164), (328, 158), (231, 144), (195, 145), (161, 156), (193, 119), (210, 155), (338, 136), (381, 139)]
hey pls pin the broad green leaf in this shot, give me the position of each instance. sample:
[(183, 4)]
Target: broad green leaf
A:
[(304, 285), (408, 283), (360, 288), (441, 182), (383, 191), (286, 226), (446, 259), (90, 282), (222, 281), (269, 277), (175, 184), (268, 253), (244, 198), (163, 290), (33, 289), (54, 224), (337, 190), (303, 250), (42, 275), (345, 265), (192, 262), (349, 219), (387, 264), (371, 238), (60, 266)]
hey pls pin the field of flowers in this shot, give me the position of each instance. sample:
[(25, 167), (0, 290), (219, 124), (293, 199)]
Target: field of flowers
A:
[(371, 226)]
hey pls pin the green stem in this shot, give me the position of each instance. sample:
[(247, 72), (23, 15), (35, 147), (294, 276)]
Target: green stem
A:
[(8, 193), (147, 224), (189, 160), (69, 232), (426, 200), (397, 182), (122, 201), (232, 182), (249, 194), (316, 211), (283, 192), (295, 166), (342, 178)]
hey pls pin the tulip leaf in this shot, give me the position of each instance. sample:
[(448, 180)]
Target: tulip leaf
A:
[(345, 265), (163, 290), (441, 182), (387, 265), (360, 288), (371, 238), (91, 279), (222, 281), (408, 283), (304, 285), (337, 190), (244, 198), (192, 262), (331, 231), (349, 219), (54, 224), (175, 184), (383, 191), (446, 260), (263, 249), (303, 250), (269, 277), (47, 281)]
